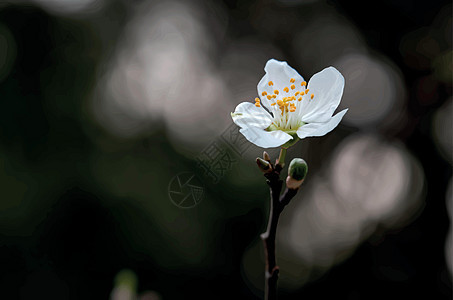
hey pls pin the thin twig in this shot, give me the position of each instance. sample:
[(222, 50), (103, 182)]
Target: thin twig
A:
[(277, 203)]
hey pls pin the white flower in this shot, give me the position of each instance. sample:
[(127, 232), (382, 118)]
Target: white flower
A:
[(294, 110)]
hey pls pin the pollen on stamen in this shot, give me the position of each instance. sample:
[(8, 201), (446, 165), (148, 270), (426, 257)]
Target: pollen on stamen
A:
[(300, 98), (297, 93), (257, 99), (304, 83), (306, 91), (302, 93), (270, 83), (272, 104), (274, 96), (292, 80), (276, 92), (257, 104), (286, 89), (311, 97), (264, 93), (269, 97), (293, 86)]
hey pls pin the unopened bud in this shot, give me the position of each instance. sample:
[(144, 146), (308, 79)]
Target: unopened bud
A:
[(298, 169), (266, 156), (264, 165)]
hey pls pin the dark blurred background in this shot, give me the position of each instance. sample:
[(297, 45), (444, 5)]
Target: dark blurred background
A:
[(109, 107)]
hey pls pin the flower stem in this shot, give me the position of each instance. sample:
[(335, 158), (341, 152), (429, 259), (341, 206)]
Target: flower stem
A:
[(281, 158)]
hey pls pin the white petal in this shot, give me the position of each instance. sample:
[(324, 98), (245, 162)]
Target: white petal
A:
[(320, 129), (280, 73), (327, 88), (265, 139), (247, 114)]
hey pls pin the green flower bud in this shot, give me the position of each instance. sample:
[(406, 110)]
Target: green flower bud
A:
[(264, 165), (298, 169)]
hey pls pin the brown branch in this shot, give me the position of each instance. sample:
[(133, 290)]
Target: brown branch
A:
[(277, 203)]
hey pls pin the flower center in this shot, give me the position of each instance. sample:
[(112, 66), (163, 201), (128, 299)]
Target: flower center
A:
[(286, 105)]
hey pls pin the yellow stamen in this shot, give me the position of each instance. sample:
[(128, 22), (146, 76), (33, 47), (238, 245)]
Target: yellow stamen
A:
[(257, 99), (272, 104), (286, 89), (292, 80), (297, 93), (293, 86), (257, 104), (303, 83), (302, 93), (300, 99), (306, 91), (276, 92), (263, 93), (274, 96), (270, 83), (279, 102), (311, 97), (269, 97)]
